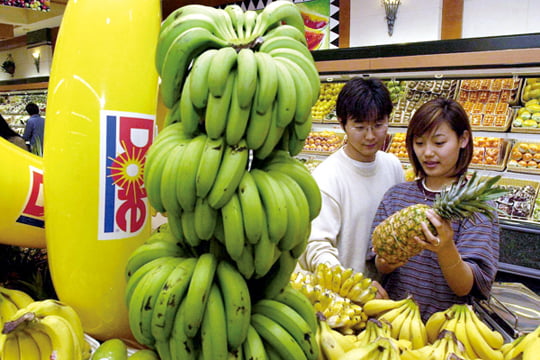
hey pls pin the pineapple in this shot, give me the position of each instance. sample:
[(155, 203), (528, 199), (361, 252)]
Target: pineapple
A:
[(393, 239)]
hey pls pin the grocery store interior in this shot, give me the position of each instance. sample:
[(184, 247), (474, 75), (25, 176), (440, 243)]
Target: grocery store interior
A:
[(484, 53)]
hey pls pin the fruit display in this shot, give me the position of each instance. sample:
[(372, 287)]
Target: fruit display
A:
[(324, 109), (519, 202), (417, 92), (311, 163), (487, 101), (393, 239), (398, 147), (397, 89), (489, 153), (531, 90), (325, 141), (212, 283), (46, 329), (527, 117), (524, 157)]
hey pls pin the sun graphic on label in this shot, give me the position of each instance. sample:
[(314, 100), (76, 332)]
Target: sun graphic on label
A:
[(126, 170)]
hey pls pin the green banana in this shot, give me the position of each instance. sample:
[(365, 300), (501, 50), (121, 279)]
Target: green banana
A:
[(197, 295), (267, 84), (302, 222), (217, 109), (288, 31), (237, 300), (214, 328), (264, 251), (273, 136), (174, 220), (279, 338), (301, 131), (250, 17), (295, 224), (236, 14), (187, 172), (246, 262), (169, 299), (302, 176), (182, 346), (141, 304), (237, 118), (274, 204), (151, 251), (300, 303), (135, 278), (258, 126), (186, 46), (189, 114), (276, 13), (198, 84), (278, 42), (222, 64), (169, 179), (279, 275), (163, 348), (205, 219), (209, 166), (188, 227), (304, 96), (247, 77), (173, 115), (253, 347), (233, 227), (231, 170), (252, 208), (111, 349), (289, 319), (306, 64)]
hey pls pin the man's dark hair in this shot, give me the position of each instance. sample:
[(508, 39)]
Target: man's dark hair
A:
[(363, 100), (32, 109)]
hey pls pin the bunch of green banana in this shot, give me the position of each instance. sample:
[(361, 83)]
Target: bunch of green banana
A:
[(116, 349), (12, 300), (47, 329), (525, 347), (479, 341), (345, 282)]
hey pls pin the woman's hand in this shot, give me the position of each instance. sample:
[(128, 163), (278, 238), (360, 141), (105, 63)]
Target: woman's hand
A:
[(445, 233), (385, 267)]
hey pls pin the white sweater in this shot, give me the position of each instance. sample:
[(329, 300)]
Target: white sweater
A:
[(351, 192)]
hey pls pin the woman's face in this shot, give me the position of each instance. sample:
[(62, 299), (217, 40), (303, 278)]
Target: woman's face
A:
[(365, 138), (438, 150)]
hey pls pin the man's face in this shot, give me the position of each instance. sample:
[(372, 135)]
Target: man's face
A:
[(365, 138)]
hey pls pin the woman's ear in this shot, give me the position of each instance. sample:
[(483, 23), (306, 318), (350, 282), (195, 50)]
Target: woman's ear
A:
[(464, 139)]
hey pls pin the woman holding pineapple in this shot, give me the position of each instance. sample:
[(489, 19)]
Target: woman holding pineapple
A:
[(446, 249), (354, 179)]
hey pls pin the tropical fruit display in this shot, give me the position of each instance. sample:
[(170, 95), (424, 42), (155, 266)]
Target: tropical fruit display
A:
[(531, 90), (488, 152), (397, 89), (393, 239), (46, 329), (398, 147), (213, 282), (527, 116), (326, 141)]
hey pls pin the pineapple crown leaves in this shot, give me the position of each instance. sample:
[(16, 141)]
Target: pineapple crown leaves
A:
[(466, 198)]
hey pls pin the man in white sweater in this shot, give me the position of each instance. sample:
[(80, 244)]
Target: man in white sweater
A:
[(354, 179)]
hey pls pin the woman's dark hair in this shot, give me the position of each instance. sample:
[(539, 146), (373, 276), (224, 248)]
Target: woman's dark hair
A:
[(32, 109), (5, 130), (429, 116), (363, 100)]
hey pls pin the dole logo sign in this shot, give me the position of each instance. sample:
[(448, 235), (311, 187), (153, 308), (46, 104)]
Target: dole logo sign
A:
[(123, 205)]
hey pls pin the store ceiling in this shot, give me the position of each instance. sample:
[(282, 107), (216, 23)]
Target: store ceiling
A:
[(18, 21)]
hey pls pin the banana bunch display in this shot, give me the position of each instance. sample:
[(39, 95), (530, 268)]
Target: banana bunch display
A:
[(479, 341), (47, 329), (525, 347), (116, 349), (11, 300), (403, 317)]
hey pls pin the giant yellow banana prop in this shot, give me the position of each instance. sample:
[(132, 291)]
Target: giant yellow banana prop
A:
[(21, 197), (100, 120)]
